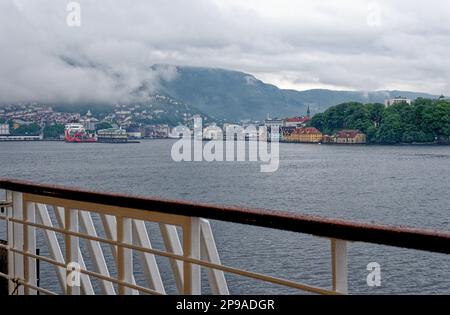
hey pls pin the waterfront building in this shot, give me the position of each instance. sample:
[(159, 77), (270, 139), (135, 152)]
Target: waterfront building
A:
[(303, 135), (286, 131), (233, 131), (4, 129), (273, 126), (212, 132), (21, 138), (180, 131), (350, 137), (263, 135), (273, 123), (156, 131), (328, 139)]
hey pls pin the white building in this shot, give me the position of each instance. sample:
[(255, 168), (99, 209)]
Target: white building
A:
[(89, 122), (179, 132), (233, 132), (397, 100), (274, 125), (198, 129), (4, 129), (212, 133)]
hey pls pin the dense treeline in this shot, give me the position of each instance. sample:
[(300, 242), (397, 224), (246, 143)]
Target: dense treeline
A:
[(27, 130), (423, 121), (103, 125), (53, 131)]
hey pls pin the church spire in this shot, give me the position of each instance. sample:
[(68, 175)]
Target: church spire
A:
[(308, 112)]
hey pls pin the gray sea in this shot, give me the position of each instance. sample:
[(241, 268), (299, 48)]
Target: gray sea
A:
[(393, 185)]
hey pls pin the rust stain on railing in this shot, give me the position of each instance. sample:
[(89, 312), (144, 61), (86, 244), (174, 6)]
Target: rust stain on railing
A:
[(412, 238)]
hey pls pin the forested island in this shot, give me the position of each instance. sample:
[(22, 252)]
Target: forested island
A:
[(423, 121)]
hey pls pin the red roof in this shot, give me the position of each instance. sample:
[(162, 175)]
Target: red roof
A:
[(307, 131), (298, 119), (348, 133)]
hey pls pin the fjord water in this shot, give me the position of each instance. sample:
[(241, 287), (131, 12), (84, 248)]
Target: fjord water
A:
[(394, 185)]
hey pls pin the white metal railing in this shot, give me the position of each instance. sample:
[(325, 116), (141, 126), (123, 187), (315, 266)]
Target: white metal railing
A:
[(123, 219), (28, 208), (125, 231)]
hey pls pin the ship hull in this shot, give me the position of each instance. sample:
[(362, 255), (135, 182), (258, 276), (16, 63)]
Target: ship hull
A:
[(109, 140), (75, 133)]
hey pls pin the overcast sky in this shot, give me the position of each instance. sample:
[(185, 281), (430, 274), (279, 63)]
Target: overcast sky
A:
[(346, 45)]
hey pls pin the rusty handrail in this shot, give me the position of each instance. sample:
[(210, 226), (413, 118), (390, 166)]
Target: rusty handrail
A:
[(412, 238)]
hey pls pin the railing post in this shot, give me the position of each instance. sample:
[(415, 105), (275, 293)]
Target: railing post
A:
[(173, 245), (148, 261), (5, 262), (3, 268), (72, 251), (10, 240), (29, 246), (191, 249), (96, 253), (51, 240), (339, 265), (124, 255), (17, 243), (209, 253)]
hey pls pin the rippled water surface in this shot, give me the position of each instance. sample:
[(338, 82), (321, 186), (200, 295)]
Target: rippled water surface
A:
[(396, 185)]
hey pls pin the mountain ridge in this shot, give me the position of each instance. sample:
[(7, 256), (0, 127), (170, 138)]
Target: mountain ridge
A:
[(233, 95)]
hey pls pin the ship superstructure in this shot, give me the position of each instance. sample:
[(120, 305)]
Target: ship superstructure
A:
[(112, 135), (77, 133)]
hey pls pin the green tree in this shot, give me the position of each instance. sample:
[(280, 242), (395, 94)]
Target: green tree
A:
[(53, 131), (317, 121), (103, 125), (27, 130), (391, 129), (423, 121)]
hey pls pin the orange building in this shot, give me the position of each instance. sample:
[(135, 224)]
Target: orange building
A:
[(304, 135)]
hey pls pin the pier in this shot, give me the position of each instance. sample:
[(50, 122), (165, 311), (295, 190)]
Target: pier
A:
[(21, 138), (30, 206)]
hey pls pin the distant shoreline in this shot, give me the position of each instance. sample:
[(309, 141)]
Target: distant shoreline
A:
[(427, 144), (372, 144)]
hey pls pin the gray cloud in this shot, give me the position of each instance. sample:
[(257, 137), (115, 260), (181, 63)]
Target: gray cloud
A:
[(293, 44)]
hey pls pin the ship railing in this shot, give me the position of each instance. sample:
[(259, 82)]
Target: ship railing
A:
[(65, 218)]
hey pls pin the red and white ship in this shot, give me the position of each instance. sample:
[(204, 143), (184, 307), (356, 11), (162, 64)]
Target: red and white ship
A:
[(77, 133)]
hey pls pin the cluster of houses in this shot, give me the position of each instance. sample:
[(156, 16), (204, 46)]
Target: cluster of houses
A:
[(122, 118), (295, 130), (35, 113), (136, 131), (42, 115), (346, 137), (313, 135)]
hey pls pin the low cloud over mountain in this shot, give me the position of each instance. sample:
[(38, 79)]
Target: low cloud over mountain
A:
[(339, 45)]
